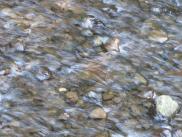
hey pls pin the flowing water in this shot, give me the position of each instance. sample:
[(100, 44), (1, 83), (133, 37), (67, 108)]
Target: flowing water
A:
[(60, 59)]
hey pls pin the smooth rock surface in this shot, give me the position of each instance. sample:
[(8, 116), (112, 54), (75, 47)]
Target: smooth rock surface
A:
[(166, 106), (98, 113)]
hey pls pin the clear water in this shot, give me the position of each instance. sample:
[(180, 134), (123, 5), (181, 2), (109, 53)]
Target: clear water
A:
[(53, 44)]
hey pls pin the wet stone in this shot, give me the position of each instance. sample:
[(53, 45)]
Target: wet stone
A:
[(93, 97), (177, 133), (112, 45), (60, 76), (87, 33), (8, 12), (72, 96), (98, 113), (87, 23), (4, 72), (43, 74), (19, 47), (158, 36), (108, 96), (117, 135), (30, 16), (64, 116), (166, 106), (104, 134), (62, 89), (139, 79), (99, 40)]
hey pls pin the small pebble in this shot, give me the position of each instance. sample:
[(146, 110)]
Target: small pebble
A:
[(62, 89), (64, 116)]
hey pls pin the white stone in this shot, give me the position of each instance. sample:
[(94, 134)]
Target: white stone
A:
[(62, 89), (166, 106)]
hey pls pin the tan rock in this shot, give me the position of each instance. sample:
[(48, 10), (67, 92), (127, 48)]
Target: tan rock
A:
[(72, 96), (113, 45), (98, 113), (104, 134), (64, 116), (108, 96)]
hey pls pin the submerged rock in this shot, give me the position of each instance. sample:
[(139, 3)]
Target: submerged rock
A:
[(108, 96), (178, 133), (62, 89), (8, 12), (99, 40), (93, 97), (19, 47), (64, 116), (112, 45), (104, 134), (140, 79), (158, 36), (166, 106), (87, 33), (98, 113), (43, 73), (116, 135), (72, 96), (87, 23)]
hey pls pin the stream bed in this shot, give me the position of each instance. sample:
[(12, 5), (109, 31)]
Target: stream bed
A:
[(76, 68)]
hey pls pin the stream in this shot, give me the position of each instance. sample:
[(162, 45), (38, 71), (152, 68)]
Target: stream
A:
[(62, 59)]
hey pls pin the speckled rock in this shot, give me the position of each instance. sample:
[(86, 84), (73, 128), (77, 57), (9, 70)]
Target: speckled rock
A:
[(72, 96)]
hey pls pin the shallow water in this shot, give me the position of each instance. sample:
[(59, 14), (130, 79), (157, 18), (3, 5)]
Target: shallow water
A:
[(49, 48)]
